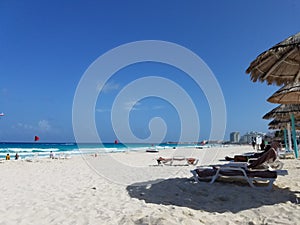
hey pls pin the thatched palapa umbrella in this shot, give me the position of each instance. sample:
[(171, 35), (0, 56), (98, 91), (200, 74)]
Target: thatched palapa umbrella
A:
[(283, 112), (278, 124), (284, 124), (279, 65), (288, 94)]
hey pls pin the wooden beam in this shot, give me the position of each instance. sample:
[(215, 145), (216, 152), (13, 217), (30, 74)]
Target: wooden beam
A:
[(297, 79), (282, 58)]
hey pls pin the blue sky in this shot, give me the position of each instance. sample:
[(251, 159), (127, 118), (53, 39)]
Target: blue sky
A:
[(46, 47)]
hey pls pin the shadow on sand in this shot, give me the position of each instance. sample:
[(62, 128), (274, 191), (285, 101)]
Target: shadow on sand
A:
[(218, 197)]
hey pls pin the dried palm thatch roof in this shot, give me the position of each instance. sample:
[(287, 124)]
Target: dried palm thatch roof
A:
[(276, 127), (283, 112), (278, 124), (279, 121), (288, 94), (280, 64)]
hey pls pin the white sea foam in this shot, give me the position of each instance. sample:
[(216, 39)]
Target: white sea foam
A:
[(29, 149)]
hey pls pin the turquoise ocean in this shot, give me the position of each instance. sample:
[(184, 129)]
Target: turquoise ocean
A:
[(43, 149)]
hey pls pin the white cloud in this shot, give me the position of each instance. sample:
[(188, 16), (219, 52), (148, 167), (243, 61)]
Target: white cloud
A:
[(156, 107), (23, 126), (44, 125), (110, 86), (102, 110), (132, 105)]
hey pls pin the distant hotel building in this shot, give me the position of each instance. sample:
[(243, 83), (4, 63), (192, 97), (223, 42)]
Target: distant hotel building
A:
[(234, 137)]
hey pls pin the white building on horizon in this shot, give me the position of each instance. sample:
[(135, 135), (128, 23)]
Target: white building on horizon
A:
[(247, 138), (234, 137)]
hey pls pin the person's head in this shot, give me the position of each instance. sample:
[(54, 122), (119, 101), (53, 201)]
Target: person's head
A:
[(267, 147)]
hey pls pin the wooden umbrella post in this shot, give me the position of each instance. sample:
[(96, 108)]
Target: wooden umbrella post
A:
[(289, 136), (285, 140), (294, 135)]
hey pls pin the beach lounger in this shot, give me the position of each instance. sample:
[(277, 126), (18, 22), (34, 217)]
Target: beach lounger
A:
[(67, 156), (272, 166), (253, 177), (33, 158), (60, 156), (286, 155), (177, 160)]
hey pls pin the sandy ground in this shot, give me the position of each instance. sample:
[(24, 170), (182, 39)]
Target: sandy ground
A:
[(129, 188)]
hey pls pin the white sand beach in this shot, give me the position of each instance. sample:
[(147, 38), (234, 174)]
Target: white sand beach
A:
[(129, 188)]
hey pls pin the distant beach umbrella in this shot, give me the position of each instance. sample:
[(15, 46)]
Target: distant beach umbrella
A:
[(288, 94), (283, 112), (278, 65), (285, 125)]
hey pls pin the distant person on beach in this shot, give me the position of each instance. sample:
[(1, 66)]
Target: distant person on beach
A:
[(51, 155), (7, 157), (253, 143), (16, 156), (258, 141), (262, 145)]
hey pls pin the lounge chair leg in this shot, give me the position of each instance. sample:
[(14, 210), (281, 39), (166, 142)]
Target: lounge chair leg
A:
[(195, 176), (215, 177)]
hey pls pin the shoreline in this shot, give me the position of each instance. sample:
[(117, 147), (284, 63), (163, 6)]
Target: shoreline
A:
[(42, 150)]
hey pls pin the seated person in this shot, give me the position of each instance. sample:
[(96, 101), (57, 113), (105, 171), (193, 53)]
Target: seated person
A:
[(245, 158), (268, 156), (52, 155)]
